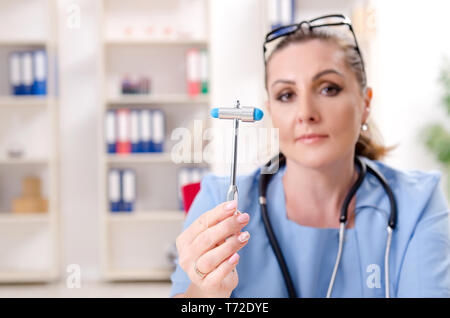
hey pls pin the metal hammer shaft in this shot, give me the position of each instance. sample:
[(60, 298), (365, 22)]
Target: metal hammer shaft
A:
[(237, 113)]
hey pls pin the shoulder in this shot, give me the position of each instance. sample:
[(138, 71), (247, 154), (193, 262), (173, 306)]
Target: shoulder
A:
[(411, 178), (421, 184), (417, 193)]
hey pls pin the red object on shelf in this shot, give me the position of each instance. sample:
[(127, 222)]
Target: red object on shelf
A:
[(123, 145), (193, 72), (189, 193), (193, 88)]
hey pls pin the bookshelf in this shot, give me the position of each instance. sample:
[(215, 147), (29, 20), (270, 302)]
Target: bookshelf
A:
[(29, 242), (135, 39)]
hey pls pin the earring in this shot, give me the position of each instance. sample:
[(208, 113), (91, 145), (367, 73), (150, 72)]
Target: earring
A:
[(364, 127)]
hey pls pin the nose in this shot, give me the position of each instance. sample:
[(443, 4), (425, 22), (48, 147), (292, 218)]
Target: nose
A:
[(307, 111)]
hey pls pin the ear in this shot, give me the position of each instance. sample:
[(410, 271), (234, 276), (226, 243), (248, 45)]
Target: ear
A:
[(367, 103)]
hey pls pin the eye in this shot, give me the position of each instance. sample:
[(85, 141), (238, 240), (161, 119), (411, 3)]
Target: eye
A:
[(331, 90), (285, 97)]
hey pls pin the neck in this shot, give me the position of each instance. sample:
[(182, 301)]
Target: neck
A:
[(314, 196)]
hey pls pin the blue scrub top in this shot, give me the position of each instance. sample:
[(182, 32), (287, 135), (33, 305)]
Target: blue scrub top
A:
[(419, 264)]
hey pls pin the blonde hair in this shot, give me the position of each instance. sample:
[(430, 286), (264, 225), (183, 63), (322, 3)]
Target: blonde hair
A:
[(370, 142)]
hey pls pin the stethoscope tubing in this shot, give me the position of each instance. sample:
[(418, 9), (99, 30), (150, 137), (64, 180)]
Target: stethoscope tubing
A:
[(263, 183)]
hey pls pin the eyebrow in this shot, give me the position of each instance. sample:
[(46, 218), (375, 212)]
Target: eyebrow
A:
[(326, 72), (283, 82), (321, 73)]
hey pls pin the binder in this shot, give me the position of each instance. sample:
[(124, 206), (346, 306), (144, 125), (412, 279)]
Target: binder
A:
[(126, 85), (123, 131), (158, 131), (287, 12), (272, 11), (110, 131), (193, 72), (204, 71), (114, 185), (134, 131), (145, 130), (15, 73), (183, 179), (128, 190), (39, 73), (281, 12), (196, 175), (27, 72)]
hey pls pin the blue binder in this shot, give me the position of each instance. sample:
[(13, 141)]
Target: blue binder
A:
[(158, 131), (285, 13), (114, 190), (184, 178), (15, 73), (145, 125), (135, 131), (39, 72), (27, 73), (128, 197), (110, 131)]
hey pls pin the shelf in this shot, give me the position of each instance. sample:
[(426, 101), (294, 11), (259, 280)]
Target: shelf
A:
[(24, 161), (154, 42), (30, 248), (140, 158), (140, 216), (144, 274), (27, 276), (125, 234), (29, 100), (28, 218), (158, 99), (22, 42)]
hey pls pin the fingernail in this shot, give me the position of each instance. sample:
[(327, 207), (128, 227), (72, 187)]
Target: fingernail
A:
[(233, 259), (244, 237), (242, 218), (231, 205)]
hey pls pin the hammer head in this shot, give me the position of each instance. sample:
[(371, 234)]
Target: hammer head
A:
[(247, 114)]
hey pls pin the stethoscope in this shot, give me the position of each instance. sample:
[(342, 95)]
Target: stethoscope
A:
[(265, 177)]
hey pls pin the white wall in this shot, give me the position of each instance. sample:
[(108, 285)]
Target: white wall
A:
[(411, 42), (79, 103)]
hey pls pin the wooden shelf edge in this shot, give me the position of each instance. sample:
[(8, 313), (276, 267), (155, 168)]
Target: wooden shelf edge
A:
[(154, 41), (28, 100), (10, 217), (133, 275), (139, 216), (27, 276), (140, 158), (157, 99), (23, 42), (24, 161)]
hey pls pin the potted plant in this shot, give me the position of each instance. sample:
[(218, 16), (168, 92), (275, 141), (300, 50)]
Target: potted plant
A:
[(437, 138)]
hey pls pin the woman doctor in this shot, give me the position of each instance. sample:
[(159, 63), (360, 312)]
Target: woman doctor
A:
[(319, 100)]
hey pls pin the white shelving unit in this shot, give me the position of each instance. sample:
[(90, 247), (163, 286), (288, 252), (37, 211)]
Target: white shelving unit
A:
[(134, 245), (29, 242)]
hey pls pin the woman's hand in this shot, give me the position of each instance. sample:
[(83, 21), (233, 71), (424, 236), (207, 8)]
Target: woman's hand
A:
[(207, 251)]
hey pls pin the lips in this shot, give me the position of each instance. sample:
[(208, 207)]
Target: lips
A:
[(311, 138)]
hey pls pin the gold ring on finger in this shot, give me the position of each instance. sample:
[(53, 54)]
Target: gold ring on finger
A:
[(197, 271)]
